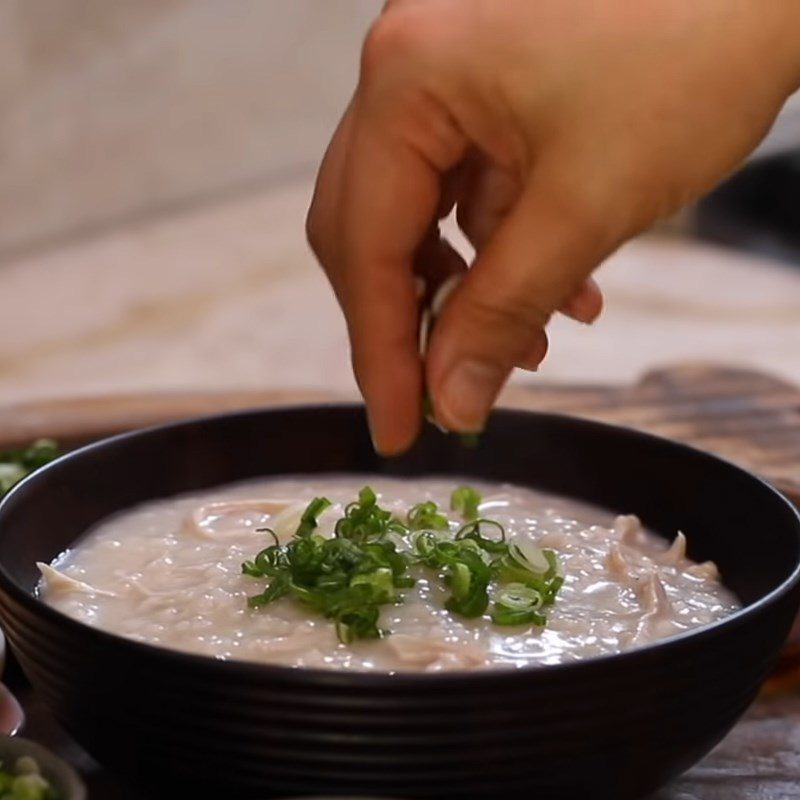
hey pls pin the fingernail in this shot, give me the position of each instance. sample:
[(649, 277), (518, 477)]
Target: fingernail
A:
[(377, 446), (468, 393)]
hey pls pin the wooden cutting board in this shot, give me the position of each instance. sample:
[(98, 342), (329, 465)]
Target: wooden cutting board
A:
[(745, 416)]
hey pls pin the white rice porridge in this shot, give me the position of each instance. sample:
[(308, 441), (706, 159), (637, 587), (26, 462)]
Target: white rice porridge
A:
[(169, 573)]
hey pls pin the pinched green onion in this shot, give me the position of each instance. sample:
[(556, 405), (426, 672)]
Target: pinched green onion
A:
[(364, 566), (465, 501), (470, 439)]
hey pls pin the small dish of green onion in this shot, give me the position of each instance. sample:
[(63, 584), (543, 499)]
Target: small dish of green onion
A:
[(23, 780), (29, 771)]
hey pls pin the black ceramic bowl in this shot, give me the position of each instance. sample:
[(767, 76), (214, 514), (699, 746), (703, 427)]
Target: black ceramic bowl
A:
[(613, 727)]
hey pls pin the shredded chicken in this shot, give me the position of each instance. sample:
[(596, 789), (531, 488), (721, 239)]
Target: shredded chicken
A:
[(198, 521), (653, 595), (707, 570), (56, 581), (628, 528), (657, 608), (435, 654), (616, 563), (676, 552), (140, 589)]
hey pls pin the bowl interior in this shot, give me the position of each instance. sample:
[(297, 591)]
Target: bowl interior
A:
[(747, 528)]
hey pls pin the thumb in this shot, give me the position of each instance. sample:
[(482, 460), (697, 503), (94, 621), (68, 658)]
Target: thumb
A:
[(537, 259)]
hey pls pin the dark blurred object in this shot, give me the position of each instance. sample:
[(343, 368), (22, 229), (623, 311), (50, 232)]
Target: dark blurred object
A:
[(757, 210)]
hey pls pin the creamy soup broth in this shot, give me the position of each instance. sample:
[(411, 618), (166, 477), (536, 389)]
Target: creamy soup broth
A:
[(169, 573)]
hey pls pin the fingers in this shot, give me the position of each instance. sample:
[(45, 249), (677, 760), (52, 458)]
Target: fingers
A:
[(352, 238), (324, 215), (372, 279), (375, 202), (586, 304), (487, 195), (391, 193), (375, 207), (537, 259), (436, 261), (536, 353)]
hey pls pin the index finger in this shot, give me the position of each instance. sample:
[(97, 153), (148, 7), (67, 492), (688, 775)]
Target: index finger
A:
[(392, 181)]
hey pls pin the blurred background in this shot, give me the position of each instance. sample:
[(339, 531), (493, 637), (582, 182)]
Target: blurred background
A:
[(156, 161)]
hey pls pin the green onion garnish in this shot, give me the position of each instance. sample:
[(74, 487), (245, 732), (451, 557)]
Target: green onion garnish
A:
[(465, 501), (24, 781), (426, 516), (347, 578), (16, 464)]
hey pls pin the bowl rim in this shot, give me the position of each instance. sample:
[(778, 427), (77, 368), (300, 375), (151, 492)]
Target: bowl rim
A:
[(399, 679)]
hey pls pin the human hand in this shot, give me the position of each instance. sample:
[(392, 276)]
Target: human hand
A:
[(559, 129)]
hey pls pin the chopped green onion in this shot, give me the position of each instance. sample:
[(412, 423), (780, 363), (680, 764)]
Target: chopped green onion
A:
[(460, 579), (472, 530), (26, 765), (505, 616), (529, 557), (309, 520), (381, 583), (518, 597), (426, 516), (17, 464), (25, 782), (347, 578), (10, 474), (465, 501), (518, 604)]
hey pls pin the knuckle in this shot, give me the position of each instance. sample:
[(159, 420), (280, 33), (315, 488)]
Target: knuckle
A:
[(506, 326), (313, 230), (402, 36), (598, 218), (323, 250)]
